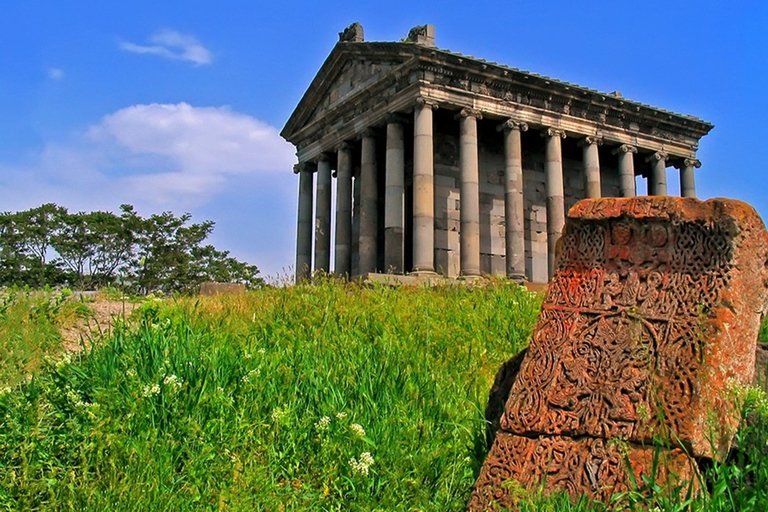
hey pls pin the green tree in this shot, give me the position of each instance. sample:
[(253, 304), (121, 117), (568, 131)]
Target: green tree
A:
[(48, 246)]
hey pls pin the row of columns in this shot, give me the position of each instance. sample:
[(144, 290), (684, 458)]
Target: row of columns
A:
[(423, 196)]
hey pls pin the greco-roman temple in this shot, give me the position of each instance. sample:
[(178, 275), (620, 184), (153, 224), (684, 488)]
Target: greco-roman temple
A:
[(448, 164)]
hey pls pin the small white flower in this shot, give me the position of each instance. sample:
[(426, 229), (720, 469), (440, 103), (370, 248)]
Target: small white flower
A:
[(5, 390), (341, 415), (279, 413), (262, 351), (363, 465), (323, 424), (357, 429), (172, 381), (251, 375), (130, 373), (151, 390), (248, 355)]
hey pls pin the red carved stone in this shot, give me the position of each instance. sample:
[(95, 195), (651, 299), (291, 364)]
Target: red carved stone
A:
[(651, 317), (517, 466)]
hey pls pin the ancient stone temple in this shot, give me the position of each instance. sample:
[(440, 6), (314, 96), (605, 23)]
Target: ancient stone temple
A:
[(448, 164)]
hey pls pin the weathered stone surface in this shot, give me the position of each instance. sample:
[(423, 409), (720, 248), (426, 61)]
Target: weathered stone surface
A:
[(654, 308), (499, 394), (588, 465), (650, 319)]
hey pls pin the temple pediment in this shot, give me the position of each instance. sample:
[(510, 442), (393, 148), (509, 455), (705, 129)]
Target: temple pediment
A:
[(352, 68)]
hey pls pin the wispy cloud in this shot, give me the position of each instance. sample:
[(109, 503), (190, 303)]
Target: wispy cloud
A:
[(212, 162), (55, 73), (171, 44), (156, 155)]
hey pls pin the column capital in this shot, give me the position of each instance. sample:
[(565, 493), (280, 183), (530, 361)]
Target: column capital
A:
[(323, 157), (469, 112), (512, 124), (590, 140), (369, 131), (396, 118), (657, 156), (422, 102), (692, 162), (553, 132), (302, 167), (625, 148), (344, 145)]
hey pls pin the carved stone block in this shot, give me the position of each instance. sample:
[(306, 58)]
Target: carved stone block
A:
[(651, 318), (518, 466)]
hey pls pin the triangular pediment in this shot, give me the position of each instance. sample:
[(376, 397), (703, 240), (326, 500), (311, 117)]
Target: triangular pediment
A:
[(349, 69)]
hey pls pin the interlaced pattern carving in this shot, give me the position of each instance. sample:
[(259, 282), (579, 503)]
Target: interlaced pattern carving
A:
[(620, 335), (653, 312), (592, 465)]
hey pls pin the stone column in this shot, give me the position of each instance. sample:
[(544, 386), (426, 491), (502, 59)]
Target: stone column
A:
[(354, 264), (369, 198), (657, 182), (343, 210), (626, 169), (469, 242), (423, 188), (394, 198), (323, 215), (304, 227), (591, 165), (687, 183), (514, 206), (555, 195)]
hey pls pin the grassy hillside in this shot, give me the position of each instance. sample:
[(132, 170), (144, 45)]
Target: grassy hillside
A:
[(329, 397)]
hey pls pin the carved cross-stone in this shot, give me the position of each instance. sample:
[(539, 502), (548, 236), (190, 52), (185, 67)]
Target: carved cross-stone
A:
[(650, 320)]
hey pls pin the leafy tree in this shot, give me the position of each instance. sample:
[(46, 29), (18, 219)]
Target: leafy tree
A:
[(164, 252), (25, 246), (95, 246)]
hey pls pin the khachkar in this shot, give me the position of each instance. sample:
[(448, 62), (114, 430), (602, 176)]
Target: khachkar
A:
[(649, 322), (448, 164)]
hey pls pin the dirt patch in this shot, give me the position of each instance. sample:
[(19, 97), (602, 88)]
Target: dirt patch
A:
[(98, 322)]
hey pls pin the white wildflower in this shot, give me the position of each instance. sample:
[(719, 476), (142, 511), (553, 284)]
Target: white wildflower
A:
[(4, 391), (341, 415), (248, 355), (262, 351), (363, 465), (251, 374), (357, 429), (151, 390), (65, 359), (279, 413), (323, 424), (130, 373), (172, 381)]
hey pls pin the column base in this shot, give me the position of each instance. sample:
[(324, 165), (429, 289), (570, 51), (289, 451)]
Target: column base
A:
[(422, 273)]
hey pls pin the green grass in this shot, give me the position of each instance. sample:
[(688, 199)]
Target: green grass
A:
[(326, 397), (29, 330)]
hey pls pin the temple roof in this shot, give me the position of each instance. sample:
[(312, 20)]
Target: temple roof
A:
[(406, 57)]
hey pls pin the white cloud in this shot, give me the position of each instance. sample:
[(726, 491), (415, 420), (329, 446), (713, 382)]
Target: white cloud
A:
[(212, 162), (55, 73), (172, 45), (159, 155)]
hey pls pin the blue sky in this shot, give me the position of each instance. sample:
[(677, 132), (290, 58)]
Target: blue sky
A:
[(177, 105)]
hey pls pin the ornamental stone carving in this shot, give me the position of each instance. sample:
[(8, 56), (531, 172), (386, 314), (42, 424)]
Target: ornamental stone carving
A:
[(625, 148), (352, 34), (650, 319), (511, 124)]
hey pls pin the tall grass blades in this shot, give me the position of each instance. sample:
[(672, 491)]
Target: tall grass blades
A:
[(326, 397)]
